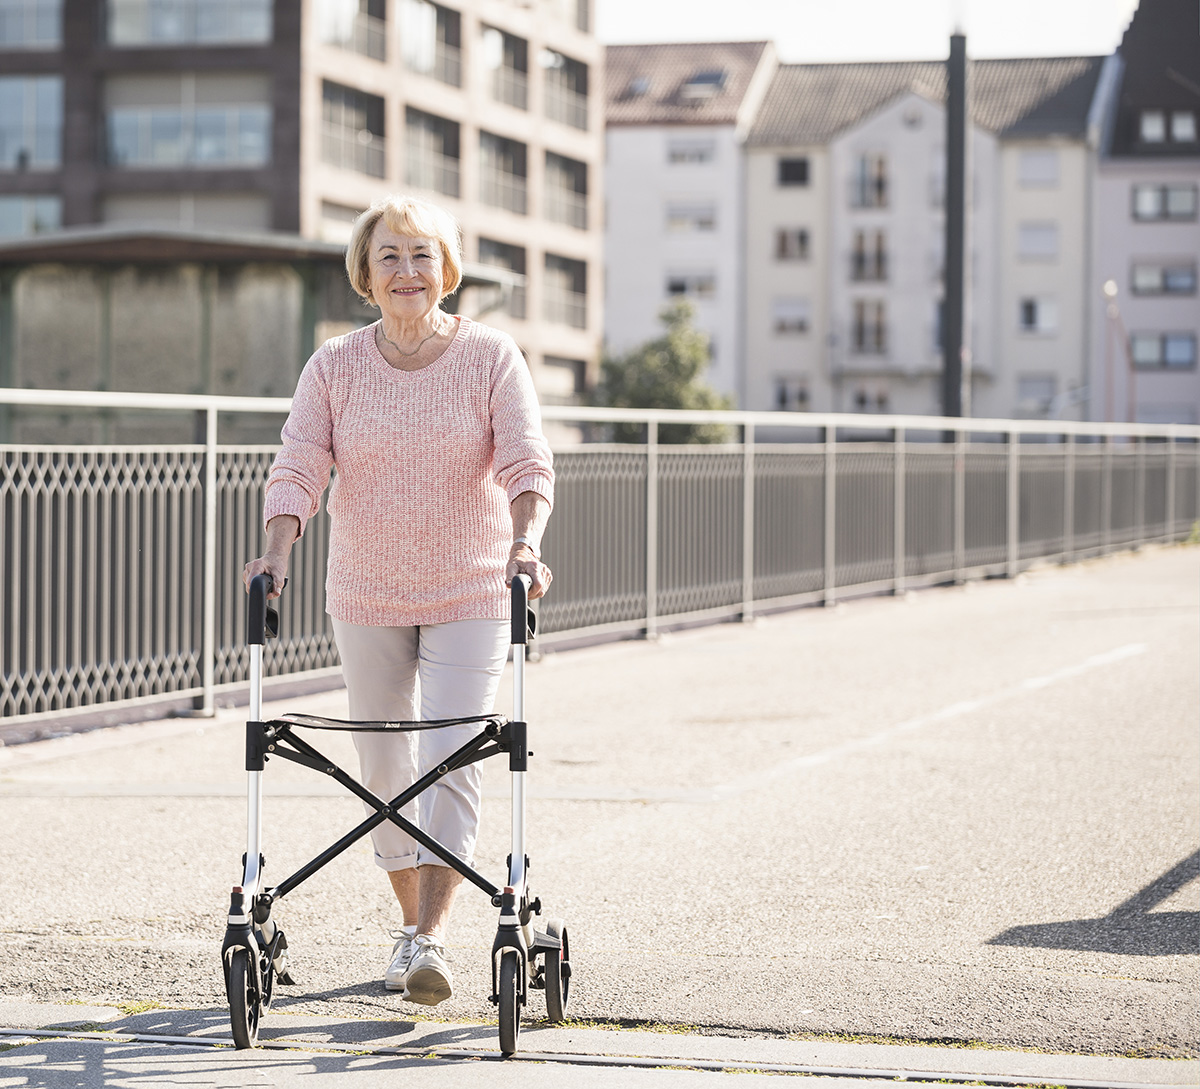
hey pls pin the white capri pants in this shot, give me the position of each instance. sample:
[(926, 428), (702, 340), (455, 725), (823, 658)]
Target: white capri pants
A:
[(446, 671)]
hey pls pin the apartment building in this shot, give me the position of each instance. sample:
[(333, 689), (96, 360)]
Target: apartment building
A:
[(845, 237), (677, 117), (293, 115), (1146, 240)]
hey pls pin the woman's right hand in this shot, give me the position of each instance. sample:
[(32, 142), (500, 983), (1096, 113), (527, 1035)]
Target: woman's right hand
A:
[(273, 565)]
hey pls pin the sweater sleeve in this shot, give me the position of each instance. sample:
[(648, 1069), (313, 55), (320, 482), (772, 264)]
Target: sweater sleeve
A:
[(300, 471), (521, 461)]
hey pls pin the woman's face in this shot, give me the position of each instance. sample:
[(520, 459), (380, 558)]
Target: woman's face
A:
[(406, 273)]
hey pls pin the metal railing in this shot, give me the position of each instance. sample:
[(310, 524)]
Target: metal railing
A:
[(121, 565)]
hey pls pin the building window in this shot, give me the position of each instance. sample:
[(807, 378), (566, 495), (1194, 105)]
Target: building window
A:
[(703, 85), (869, 182), (1163, 351), (1183, 127), (1163, 279), (791, 393), (352, 134), (203, 136), (791, 244), (189, 22), (1153, 127), (691, 152), (25, 215), (868, 331), (790, 314), (512, 258), (357, 25), (792, 171), (30, 24), (564, 380), (503, 170), (687, 217), (1037, 241), (1038, 315), (506, 59), (31, 116), (431, 41), (1171, 202), (868, 258), (431, 151), (566, 191), (1035, 394), (1038, 169), (564, 291), (695, 285), (565, 83)]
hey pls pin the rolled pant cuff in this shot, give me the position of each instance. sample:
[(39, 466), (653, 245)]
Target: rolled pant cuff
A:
[(397, 862)]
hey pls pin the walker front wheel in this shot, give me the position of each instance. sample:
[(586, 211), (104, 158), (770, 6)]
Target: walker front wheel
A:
[(510, 1001), (557, 971), (244, 1003)]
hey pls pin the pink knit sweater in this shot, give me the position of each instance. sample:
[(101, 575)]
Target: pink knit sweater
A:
[(427, 464)]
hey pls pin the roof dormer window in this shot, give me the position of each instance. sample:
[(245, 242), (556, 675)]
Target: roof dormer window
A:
[(703, 84), (1183, 126), (1154, 126), (638, 86)]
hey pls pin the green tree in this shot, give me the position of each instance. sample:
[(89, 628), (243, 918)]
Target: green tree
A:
[(664, 373)]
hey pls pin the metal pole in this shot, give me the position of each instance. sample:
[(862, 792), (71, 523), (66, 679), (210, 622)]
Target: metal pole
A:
[(1139, 492), (1069, 501), (1170, 496), (960, 505), (956, 226), (1106, 497), (1014, 506), (830, 514), (652, 529), (748, 522), (208, 653)]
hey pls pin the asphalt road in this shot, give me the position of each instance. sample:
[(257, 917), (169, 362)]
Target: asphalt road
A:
[(965, 816)]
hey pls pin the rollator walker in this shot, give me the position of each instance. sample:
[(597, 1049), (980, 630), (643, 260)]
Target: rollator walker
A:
[(255, 951)]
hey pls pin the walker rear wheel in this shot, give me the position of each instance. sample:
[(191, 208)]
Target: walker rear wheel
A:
[(510, 1001), (557, 972)]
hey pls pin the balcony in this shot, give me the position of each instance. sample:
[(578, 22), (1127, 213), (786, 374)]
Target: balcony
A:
[(564, 307), (359, 150), (510, 86), (428, 170), (567, 206), (503, 190), (366, 34), (567, 106), (438, 59), (868, 267)]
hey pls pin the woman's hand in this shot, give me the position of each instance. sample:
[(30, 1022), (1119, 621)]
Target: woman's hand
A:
[(522, 561), (282, 531)]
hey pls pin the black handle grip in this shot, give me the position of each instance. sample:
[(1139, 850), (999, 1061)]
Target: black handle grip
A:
[(520, 609), (262, 621)]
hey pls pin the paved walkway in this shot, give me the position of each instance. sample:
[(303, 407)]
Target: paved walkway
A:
[(966, 817)]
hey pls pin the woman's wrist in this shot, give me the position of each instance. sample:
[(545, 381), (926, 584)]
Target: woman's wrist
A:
[(522, 541)]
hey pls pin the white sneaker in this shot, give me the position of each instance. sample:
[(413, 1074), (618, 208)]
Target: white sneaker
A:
[(402, 954), (429, 980)]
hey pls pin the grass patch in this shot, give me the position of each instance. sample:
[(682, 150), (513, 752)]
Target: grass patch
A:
[(132, 1009), (625, 1024)]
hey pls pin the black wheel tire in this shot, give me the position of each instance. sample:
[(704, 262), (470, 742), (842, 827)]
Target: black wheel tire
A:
[(510, 1001), (244, 1006), (557, 972)]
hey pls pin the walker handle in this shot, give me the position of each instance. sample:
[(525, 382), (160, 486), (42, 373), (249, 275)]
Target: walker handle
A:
[(262, 620), (522, 616)]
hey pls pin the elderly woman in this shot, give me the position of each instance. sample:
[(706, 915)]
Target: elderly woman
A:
[(444, 485)]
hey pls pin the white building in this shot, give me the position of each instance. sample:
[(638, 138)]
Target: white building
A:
[(1146, 230), (677, 116), (845, 254)]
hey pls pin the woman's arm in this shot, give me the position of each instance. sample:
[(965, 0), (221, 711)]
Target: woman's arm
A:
[(282, 531), (530, 512)]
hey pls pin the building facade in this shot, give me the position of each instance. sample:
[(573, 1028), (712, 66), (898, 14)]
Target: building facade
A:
[(677, 119), (273, 116)]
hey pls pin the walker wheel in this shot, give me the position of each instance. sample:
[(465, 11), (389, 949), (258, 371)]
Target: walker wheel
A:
[(510, 1001), (244, 1003), (557, 972)]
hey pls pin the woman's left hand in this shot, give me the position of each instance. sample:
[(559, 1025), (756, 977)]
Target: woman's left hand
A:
[(522, 561)]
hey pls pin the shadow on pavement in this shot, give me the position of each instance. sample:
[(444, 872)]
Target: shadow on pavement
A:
[(1130, 929)]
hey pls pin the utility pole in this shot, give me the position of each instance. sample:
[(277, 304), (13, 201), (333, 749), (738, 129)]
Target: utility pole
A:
[(953, 304)]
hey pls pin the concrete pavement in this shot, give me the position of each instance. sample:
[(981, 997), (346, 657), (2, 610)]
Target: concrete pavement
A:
[(966, 817)]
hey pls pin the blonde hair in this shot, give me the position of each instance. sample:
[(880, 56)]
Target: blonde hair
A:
[(411, 217)]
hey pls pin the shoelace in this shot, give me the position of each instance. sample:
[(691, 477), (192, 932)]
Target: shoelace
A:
[(422, 942)]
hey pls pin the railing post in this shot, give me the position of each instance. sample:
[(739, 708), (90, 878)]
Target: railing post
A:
[(960, 505), (748, 521), (830, 514), (1139, 493), (1106, 498), (652, 529), (1013, 550), (899, 515), (1170, 496), (1069, 501), (208, 653)]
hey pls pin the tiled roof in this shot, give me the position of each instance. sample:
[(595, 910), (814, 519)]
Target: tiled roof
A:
[(647, 84), (810, 103)]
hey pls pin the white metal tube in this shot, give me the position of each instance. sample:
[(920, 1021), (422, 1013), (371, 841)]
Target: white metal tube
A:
[(251, 878), (516, 869)]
